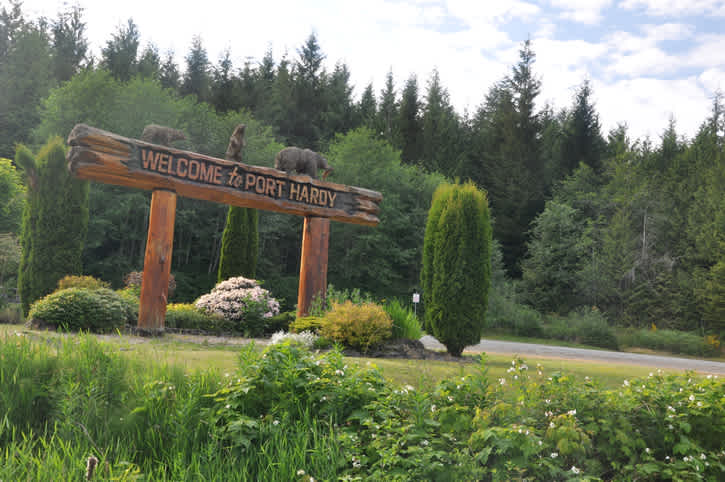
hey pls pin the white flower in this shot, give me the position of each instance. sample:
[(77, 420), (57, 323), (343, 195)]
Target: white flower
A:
[(301, 472), (276, 422), (575, 470), (626, 383), (502, 381), (450, 399), (699, 404), (432, 408), (547, 401), (540, 442), (228, 406), (552, 425), (647, 450), (425, 443), (554, 455), (571, 412), (692, 398), (703, 457), (339, 372)]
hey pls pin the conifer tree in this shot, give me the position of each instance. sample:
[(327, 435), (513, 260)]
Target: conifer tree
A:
[(169, 72), (409, 127), (456, 272), (240, 244), (119, 55), (196, 78), (388, 112), (55, 222), (70, 44)]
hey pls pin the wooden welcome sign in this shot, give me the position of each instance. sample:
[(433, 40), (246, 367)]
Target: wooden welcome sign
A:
[(109, 158)]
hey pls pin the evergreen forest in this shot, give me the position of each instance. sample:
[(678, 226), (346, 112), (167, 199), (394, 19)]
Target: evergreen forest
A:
[(582, 219)]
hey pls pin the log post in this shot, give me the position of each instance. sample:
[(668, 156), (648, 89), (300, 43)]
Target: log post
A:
[(157, 262), (313, 263)]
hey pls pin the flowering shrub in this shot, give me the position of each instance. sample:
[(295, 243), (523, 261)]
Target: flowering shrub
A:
[(306, 338), (241, 301)]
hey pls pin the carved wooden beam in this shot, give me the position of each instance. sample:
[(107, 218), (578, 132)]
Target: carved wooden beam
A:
[(106, 157)]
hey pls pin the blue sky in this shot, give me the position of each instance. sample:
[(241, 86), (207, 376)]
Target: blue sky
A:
[(647, 59)]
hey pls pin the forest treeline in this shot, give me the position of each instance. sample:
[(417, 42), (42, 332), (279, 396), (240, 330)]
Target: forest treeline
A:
[(581, 218)]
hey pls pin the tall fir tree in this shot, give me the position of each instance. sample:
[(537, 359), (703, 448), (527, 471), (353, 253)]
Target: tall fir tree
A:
[(440, 130), (583, 140), (196, 79), (225, 86), (120, 54), (169, 75), (149, 63), (55, 222), (70, 45), (308, 82), (367, 107), (408, 122), (388, 111)]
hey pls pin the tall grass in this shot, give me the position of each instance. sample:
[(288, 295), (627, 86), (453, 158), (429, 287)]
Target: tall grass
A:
[(405, 323)]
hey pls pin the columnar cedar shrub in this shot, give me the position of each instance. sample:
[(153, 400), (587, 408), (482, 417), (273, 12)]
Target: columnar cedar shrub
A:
[(240, 244), (456, 271), (55, 221)]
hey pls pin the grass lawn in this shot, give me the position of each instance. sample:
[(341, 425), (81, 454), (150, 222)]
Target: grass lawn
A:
[(194, 356)]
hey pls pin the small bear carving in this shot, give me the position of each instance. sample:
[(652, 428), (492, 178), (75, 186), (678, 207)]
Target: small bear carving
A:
[(236, 144), (161, 135), (302, 161)]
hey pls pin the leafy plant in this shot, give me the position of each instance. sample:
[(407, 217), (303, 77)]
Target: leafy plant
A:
[(187, 316), (134, 279), (306, 323), (405, 323), (586, 326), (357, 326), (99, 310)]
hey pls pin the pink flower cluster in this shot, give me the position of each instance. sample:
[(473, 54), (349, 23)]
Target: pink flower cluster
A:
[(236, 297)]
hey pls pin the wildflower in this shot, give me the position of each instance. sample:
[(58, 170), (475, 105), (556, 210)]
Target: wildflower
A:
[(228, 406), (699, 404), (626, 383), (670, 408), (516, 377), (356, 464), (339, 372), (571, 412), (540, 442), (552, 425), (502, 381), (575, 470), (651, 374), (301, 472), (670, 427), (647, 450), (554, 455), (547, 401), (324, 398), (432, 408), (425, 443), (276, 422), (667, 457), (703, 457), (692, 398), (450, 399), (549, 413)]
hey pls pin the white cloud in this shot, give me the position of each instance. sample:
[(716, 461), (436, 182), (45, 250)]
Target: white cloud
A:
[(487, 12), (713, 80), (676, 8), (582, 11), (646, 104)]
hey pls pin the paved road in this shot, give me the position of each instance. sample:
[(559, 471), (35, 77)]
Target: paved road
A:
[(562, 352)]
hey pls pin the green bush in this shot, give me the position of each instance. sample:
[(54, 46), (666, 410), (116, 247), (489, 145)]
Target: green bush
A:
[(589, 327), (73, 309), (306, 323), (673, 341), (405, 323), (506, 315), (130, 298), (87, 282), (186, 316), (357, 326), (279, 322), (456, 272)]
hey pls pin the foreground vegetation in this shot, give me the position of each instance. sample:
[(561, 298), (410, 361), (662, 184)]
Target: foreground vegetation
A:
[(285, 413)]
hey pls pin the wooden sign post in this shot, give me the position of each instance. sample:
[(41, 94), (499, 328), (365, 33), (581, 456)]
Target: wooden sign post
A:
[(106, 157)]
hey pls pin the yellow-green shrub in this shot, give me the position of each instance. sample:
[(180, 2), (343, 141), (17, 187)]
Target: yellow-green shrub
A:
[(87, 282), (306, 323), (357, 326)]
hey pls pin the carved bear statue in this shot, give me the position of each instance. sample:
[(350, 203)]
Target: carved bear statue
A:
[(302, 161), (161, 135)]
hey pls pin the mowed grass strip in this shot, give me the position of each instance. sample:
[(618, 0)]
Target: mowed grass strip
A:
[(194, 356)]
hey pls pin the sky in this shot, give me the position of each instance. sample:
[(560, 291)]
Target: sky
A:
[(647, 60)]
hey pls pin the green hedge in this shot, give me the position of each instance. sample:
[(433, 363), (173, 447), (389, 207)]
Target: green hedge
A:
[(668, 340), (73, 309)]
